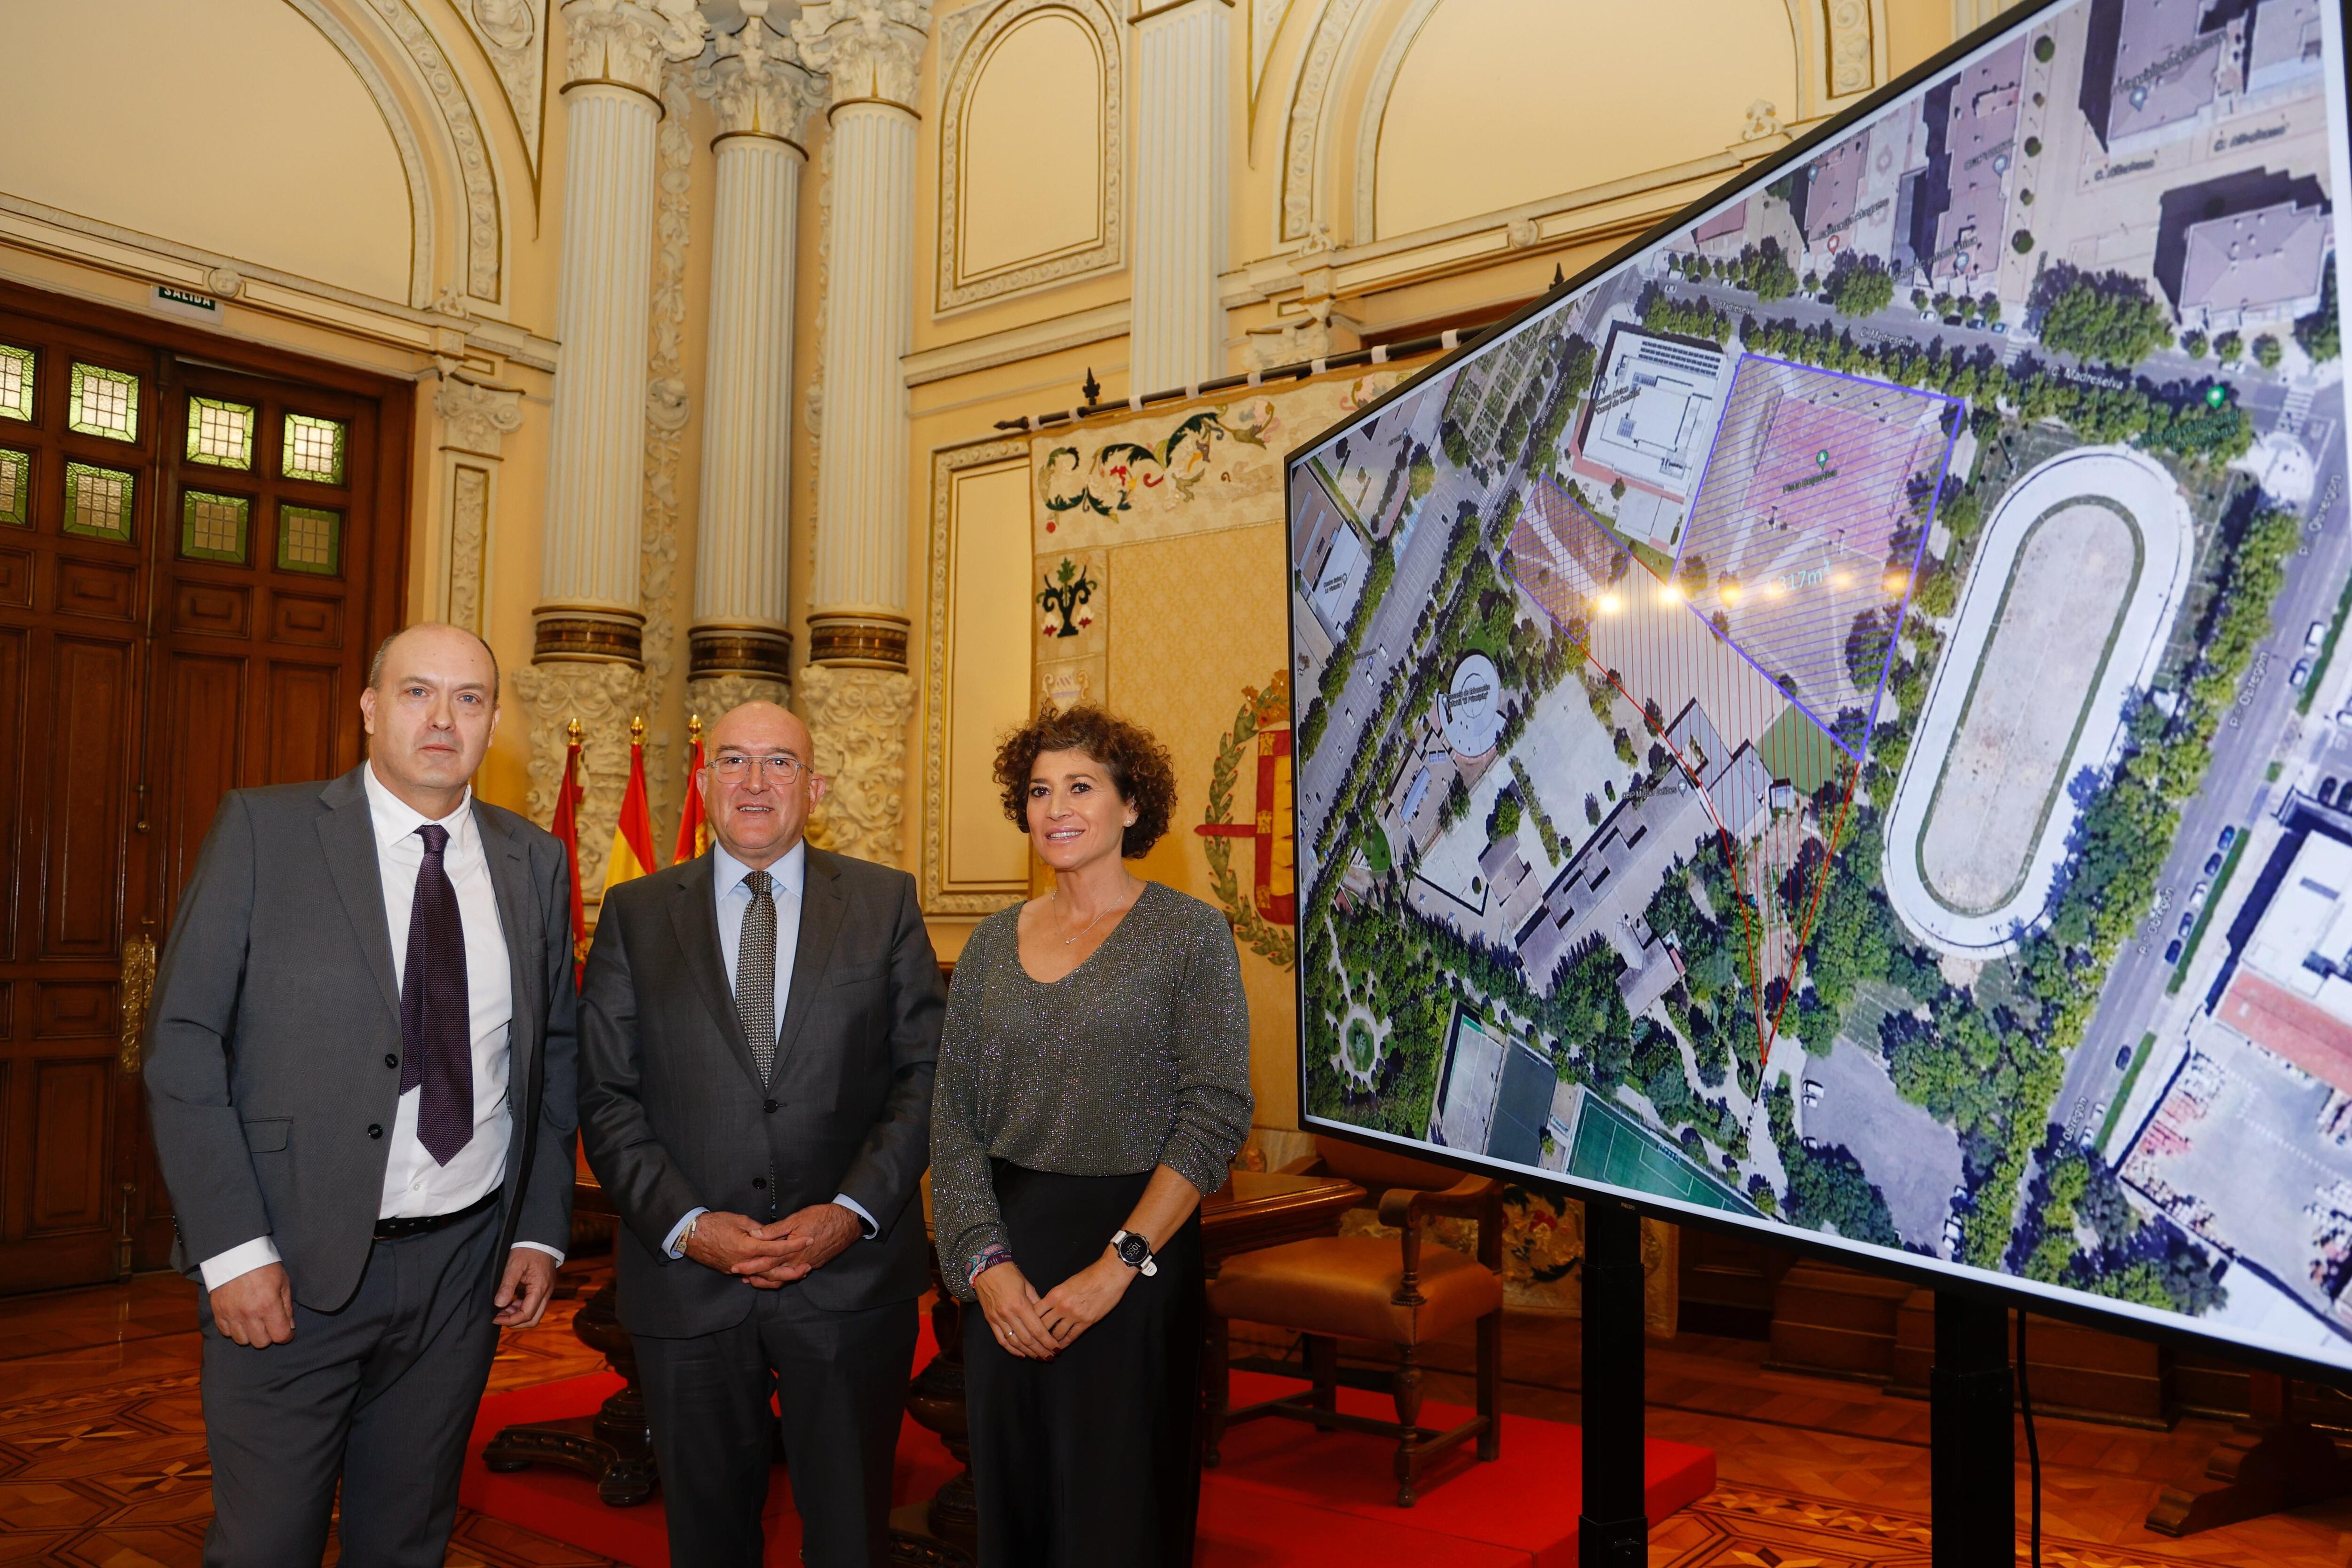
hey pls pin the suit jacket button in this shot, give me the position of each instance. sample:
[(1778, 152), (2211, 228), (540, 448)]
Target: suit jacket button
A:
[(375, 1129), (759, 1181), (769, 1107), (391, 1060)]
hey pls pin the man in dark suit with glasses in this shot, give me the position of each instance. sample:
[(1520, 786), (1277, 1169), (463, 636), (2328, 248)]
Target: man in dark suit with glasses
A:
[(759, 1031)]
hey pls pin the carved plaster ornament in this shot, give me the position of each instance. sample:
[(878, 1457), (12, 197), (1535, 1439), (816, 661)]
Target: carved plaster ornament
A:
[(869, 49), (628, 42), (1763, 120), (757, 84), (478, 416), (859, 717), (224, 283)]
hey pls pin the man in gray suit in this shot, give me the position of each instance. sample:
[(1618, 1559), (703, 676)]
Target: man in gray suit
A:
[(361, 1065), (758, 1031)]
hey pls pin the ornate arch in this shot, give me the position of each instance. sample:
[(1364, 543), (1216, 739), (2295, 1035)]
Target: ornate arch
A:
[(967, 41), (446, 159)]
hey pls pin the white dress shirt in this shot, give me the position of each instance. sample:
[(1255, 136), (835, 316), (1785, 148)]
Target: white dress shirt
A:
[(414, 1184), (734, 901)]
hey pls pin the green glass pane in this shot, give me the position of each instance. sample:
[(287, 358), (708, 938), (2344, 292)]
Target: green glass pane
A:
[(220, 434), (314, 449), (213, 527), (98, 501), (15, 382), (16, 488), (100, 401), (309, 539)]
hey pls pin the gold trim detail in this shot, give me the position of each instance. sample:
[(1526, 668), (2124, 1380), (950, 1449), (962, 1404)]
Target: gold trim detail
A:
[(653, 98), (874, 641), (138, 988), (724, 650), (580, 637)]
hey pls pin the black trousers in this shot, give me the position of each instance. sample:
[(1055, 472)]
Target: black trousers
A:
[(840, 1383), (379, 1394), (1091, 1457)]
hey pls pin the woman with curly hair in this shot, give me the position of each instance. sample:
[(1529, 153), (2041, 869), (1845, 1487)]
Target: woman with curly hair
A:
[(1093, 1084)]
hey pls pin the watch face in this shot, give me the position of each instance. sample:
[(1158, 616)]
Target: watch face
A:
[(1133, 1250)]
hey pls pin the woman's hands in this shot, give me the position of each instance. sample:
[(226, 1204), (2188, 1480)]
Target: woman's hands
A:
[(1010, 1303), (1085, 1299)]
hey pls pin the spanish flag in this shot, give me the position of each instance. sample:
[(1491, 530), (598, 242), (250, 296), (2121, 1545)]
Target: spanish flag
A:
[(693, 831), (633, 835), (566, 829)]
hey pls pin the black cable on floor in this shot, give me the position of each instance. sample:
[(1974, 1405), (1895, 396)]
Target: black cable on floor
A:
[(2033, 1448)]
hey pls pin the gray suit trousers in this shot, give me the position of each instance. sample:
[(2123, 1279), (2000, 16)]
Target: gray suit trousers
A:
[(379, 1394)]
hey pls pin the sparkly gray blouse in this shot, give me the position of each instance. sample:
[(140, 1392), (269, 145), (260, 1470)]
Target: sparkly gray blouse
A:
[(1137, 1058)]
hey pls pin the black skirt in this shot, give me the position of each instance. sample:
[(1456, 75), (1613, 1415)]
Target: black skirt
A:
[(1091, 1457)]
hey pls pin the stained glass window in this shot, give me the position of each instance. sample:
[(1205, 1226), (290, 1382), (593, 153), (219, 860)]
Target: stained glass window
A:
[(220, 434), (310, 538), (212, 527), (314, 449), (15, 382), (98, 501), (100, 401), (16, 488)]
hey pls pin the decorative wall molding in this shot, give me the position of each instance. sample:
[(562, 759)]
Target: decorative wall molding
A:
[(967, 41), (1851, 68), (1407, 32), (756, 83), (469, 539), (713, 695), (859, 717), (938, 897), (666, 418), (622, 43), (1265, 19), (478, 417), (603, 696), (484, 232), (871, 49), (1302, 136), (513, 37), (323, 14)]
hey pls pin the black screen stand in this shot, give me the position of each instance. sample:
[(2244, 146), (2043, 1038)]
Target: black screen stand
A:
[(1614, 1530), (1974, 1442)]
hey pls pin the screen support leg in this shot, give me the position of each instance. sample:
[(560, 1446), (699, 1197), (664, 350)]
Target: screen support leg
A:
[(1973, 1455), (1614, 1530)]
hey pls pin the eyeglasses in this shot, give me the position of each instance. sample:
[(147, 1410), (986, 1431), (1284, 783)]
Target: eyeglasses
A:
[(781, 767)]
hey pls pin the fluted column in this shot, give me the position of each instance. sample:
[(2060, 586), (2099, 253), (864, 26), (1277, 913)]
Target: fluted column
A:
[(587, 643), (1178, 335), (856, 688), (761, 97)]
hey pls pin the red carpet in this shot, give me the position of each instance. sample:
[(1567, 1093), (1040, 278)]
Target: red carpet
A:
[(1285, 1495)]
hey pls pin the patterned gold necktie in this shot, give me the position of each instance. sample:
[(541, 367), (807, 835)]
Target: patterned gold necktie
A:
[(755, 972)]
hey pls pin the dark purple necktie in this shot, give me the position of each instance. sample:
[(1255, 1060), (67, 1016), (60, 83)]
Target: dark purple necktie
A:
[(437, 1047)]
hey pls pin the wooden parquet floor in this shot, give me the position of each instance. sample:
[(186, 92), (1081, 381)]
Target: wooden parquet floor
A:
[(102, 1458)]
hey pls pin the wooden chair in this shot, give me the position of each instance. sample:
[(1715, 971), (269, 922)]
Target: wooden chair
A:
[(1398, 1293)]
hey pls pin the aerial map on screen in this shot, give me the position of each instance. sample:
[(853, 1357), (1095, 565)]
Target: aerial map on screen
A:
[(1844, 720)]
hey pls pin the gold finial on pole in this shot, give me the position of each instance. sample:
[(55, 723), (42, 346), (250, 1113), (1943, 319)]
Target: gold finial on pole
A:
[(637, 730), (572, 731), (693, 729)]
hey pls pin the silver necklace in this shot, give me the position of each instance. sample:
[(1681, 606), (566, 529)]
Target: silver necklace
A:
[(1090, 925)]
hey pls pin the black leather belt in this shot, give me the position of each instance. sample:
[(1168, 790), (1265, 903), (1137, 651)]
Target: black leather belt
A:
[(426, 1224)]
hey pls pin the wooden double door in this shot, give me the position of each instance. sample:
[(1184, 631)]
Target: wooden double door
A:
[(199, 543)]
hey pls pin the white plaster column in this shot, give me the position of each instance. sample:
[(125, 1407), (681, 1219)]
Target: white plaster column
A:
[(1178, 336), (761, 97), (856, 688), (588, 639)]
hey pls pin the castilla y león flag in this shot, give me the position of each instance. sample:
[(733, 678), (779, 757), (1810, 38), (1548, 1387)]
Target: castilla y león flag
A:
[(633, 835), (566, 829), (693, 832)]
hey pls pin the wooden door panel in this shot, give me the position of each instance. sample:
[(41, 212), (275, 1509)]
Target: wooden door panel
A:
[(212, 610), (303, 718), (142, 677), (69, 1153), (13, 639), (88, 710), (206, 706)]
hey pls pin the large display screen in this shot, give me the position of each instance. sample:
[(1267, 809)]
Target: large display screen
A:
[(1840, 719)]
